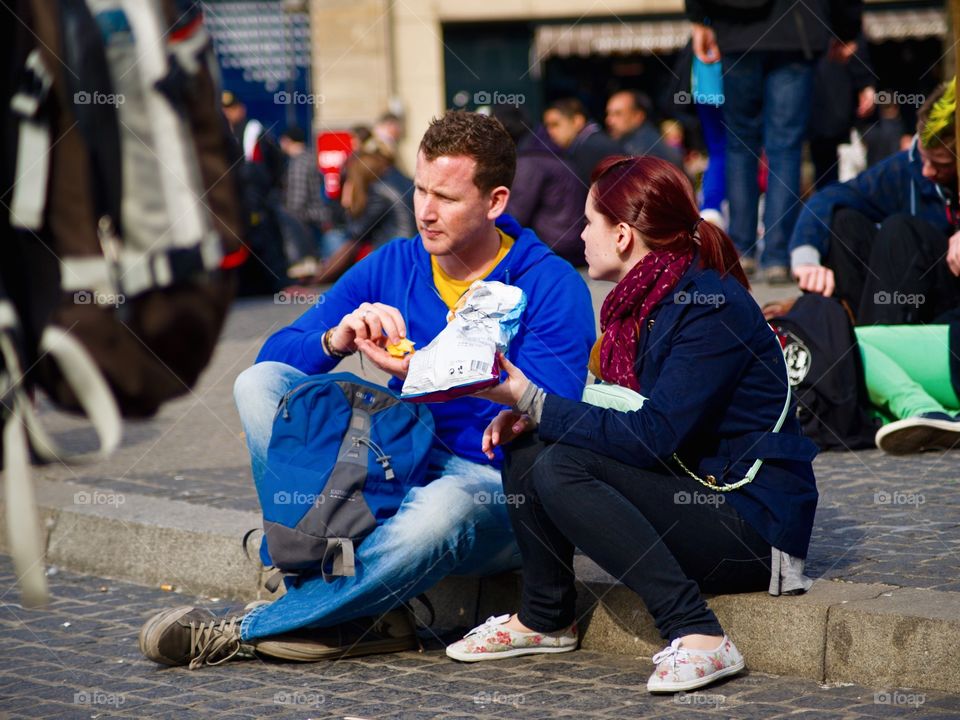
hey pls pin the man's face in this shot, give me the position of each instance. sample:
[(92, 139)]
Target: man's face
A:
[(622, 115), (562, 129), (939, 165), (450, 209)]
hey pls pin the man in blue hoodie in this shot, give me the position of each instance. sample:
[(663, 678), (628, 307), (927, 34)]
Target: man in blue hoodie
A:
[(887, 241), (457, 523)]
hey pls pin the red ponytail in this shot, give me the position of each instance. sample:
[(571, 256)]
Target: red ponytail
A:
[(656, 198)]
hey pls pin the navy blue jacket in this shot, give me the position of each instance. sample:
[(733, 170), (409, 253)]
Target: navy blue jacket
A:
[(893, 186), (715, 381)]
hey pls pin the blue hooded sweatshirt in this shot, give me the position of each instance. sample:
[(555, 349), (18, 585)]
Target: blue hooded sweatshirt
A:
[(894, 186), (552, 346)]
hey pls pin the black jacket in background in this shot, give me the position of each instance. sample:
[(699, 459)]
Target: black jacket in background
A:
[(785, 25)]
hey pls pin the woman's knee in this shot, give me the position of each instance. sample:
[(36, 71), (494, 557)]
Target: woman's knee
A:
[(560, 471)]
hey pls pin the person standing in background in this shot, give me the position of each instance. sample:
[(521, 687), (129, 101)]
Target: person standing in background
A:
[(768, 49), (629, 123)]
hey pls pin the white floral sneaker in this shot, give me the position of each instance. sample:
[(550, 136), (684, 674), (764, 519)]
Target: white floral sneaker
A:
[(492, 641), (681, 669)]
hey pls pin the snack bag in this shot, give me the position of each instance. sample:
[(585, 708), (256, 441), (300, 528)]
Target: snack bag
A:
[(462, 359)]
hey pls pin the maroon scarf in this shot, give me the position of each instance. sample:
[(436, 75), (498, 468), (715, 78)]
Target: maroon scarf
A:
[(626, 308)]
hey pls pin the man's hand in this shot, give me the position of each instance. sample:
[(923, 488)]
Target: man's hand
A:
[(511, 389), (368, 322), (815, 279), (504, 428), (705, 45), (374, 351), (953, 254)]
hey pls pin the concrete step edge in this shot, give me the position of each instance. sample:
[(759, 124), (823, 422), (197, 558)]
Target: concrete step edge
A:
[(877, 635)]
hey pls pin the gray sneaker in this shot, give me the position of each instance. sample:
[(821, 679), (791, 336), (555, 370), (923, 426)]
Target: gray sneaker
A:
[(193, 636), (929, 431), (394, 632)]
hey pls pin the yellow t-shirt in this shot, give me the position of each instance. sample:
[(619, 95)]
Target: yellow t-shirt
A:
[(451, 289)]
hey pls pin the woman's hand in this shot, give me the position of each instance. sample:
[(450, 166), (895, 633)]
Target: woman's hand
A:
[(504, 428), (511, 389)]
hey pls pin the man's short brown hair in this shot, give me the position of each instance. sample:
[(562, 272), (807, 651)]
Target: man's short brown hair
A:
[(475, 136)]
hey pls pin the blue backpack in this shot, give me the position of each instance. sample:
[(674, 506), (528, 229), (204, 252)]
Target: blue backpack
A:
[(343, 455)]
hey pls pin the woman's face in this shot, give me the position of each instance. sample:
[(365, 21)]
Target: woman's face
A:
[(600, 244)]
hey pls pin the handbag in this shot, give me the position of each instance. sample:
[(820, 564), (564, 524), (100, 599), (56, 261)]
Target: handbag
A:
[(617, 397)]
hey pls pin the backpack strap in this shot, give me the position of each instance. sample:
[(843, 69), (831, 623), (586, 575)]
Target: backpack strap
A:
[(33, 145), (22, 432), (339, 553)]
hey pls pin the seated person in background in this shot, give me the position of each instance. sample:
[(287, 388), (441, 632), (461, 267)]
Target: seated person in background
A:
[(546, 195), (583, 141), (378, 202), (464, 169), (912, 375), (907, 270), (629, 123), (680, 327)]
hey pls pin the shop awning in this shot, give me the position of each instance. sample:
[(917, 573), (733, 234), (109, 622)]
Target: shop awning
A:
[(667, 36)]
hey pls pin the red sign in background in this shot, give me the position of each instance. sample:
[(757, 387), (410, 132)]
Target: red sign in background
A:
[(333, 148)]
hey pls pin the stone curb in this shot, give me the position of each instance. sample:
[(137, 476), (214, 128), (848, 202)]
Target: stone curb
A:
[(876, 635)]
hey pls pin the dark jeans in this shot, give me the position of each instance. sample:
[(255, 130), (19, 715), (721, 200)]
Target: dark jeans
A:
[(766, 107), (892, 275), (665, 537)]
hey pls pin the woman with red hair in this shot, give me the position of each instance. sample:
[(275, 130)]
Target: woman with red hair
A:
[(701, 484)]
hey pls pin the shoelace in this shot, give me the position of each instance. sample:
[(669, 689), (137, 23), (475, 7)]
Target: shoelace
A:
[(489, 623), (669, 652), (214, 642)]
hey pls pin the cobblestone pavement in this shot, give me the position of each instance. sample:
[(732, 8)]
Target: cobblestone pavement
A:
[(881, 519), (78, 659)]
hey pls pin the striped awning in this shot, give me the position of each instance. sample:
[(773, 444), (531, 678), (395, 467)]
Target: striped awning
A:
[(667, 36)]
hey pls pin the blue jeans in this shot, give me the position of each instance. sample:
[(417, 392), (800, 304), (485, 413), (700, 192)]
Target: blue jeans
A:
[(767, 107), (456, 524), (714, 177)]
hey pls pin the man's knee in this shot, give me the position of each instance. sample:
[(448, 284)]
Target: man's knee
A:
[(847, 220), (263, 382), (902, 229)]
